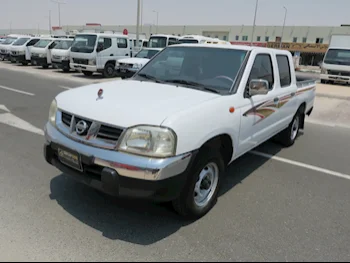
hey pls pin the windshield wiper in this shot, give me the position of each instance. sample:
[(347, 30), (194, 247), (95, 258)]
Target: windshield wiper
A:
[(146, 76), (192, 83)]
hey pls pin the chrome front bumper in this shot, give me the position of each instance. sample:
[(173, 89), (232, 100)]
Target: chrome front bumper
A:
[(127, 165)]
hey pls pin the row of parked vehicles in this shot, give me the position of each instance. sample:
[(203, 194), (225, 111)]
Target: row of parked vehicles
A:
[(112, 55)]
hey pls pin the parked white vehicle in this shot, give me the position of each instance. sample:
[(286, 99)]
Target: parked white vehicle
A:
[(127, 67), (97, 52), (5, 46), (194, 39), (162, 41), (168, 133), (134, 48), (336, 62), (20, 50), (60, 54), (41, 52)]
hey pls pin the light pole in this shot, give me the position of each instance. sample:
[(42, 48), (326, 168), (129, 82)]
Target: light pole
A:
[(154, 11), (59, 10), (138, 23), (256, 10), (50, 22), (284, 23)]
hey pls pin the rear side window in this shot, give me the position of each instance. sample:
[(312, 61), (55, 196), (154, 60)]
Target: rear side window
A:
[(122, 43), (32, 42), (284, 70), (262, 69)]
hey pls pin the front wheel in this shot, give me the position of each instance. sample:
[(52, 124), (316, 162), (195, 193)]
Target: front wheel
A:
[(202, 187), (45, 66), (109, 71), (25, 63)]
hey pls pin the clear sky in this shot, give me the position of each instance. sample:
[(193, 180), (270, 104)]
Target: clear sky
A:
[(28, 14)]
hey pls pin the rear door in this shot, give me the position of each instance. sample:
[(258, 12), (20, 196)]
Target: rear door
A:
[(287, 102), (123, 47)]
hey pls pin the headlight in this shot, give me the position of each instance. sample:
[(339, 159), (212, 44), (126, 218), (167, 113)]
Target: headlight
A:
[(137, 66), (117, 65), (65, 58), (92, 62), (149, 141), (324, 71), (52, 113), (42, 55)]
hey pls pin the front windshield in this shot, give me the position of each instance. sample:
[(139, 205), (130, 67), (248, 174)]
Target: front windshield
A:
[(20, 41), (338, 57), (146, 53), (188, 41), (84, 43), (195, 67), (63, 44), (43, 43), (157, 42), (9, 40)]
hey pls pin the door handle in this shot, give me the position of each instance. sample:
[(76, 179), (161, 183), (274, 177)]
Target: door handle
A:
[(292, 94), (275, 100), (111, 55), (126, 55)]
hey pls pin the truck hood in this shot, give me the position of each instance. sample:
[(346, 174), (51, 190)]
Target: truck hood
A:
[(60, 52), (127, 103), (18, 48), (141, 61), (37, 50)]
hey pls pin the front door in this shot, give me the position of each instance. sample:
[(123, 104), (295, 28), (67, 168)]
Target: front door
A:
[(105, 51), (259, 113)]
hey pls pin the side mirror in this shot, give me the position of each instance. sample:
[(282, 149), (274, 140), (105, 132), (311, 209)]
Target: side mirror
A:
[(258, 87)]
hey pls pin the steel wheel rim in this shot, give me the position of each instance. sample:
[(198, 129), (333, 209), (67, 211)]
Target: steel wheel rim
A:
[(206, 185), (295, 128)]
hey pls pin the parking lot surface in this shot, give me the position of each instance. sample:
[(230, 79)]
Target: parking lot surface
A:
[(276, 204)]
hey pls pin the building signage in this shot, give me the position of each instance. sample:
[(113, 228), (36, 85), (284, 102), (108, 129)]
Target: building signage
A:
[(256, 44), (301, 47)]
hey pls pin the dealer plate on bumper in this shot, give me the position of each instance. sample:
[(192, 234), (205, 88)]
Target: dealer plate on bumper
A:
[(70, 158)]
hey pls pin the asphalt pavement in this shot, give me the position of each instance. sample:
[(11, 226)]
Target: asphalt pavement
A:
[(287, 205)]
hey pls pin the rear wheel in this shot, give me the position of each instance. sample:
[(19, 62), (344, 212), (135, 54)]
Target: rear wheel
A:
[(66, 70), (323, 81), (109, 70), (25, 63), (88, 73), (202, 187), (45, 66), (288, 136)]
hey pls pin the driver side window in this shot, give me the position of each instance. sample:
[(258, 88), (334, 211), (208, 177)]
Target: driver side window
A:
[(104, 42), (262, 69)]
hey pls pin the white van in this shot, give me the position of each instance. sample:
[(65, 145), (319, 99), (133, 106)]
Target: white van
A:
[(20, 50), (97, 52), (5, 46), (336, 62), (162, 41), (41, 52), (60, 54)]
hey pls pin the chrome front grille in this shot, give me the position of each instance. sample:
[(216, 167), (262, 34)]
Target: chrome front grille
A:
[(89, 131), (125, 65), (14, 52)]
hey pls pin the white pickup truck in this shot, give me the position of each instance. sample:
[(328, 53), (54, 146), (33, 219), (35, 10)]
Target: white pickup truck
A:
[(169, 132)]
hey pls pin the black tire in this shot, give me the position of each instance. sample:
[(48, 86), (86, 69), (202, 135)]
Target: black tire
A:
[(185, 204), (323, 81), (288, 136), (66, 70), (45, 66), (25, 63), (88, 73), (109, 71)]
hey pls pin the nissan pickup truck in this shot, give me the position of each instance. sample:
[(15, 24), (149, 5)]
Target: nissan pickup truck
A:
[(168, 133)]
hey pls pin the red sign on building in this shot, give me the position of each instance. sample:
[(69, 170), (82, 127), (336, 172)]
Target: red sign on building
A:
[(256, 44)]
